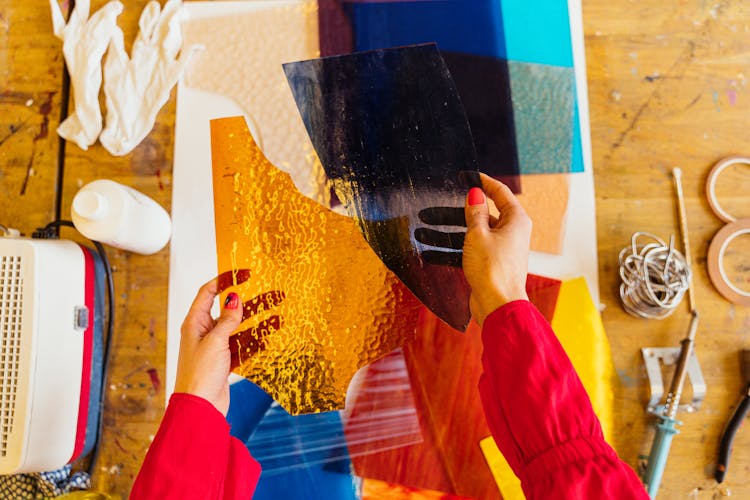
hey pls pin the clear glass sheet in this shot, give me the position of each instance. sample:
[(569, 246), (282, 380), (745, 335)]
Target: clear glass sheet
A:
[(292, 466), (382, 414), (392, 135), (383, 417)]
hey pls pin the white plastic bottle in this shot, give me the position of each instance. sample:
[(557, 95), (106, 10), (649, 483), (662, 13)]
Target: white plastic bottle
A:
[(121, 217)]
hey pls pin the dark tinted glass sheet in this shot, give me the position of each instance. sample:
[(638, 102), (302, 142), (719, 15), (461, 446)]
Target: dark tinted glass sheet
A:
[(392, 135), (471, 27), (476, 39), (470, 38)]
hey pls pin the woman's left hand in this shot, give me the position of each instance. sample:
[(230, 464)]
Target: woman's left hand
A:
[(203, 363)]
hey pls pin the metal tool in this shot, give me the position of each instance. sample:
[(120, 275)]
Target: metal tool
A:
[(654, 358), (725, 447), (666, 428)]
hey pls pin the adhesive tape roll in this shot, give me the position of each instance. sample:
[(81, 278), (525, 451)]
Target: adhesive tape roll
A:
[(715, 261), (711, 185)]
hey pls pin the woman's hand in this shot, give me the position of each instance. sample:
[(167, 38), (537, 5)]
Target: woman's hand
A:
[(203, 364), (496, 249)]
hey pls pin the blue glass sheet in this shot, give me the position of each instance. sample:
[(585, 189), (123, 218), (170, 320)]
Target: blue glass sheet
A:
[(476, 38), (471, 27), (248, 403), (470, 38), (297, 458)]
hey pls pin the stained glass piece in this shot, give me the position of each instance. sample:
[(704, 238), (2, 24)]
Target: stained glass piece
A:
[(292, 466), (341, 307), (471, 40), (241, 59), (392, 136), (479, 41), (444, 368), (543, 105)]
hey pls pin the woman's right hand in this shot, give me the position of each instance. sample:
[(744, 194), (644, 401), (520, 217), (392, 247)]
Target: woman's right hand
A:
[(496, 249)]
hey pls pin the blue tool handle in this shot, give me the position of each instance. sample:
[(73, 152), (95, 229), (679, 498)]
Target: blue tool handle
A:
[(725, 448), (657, 459)]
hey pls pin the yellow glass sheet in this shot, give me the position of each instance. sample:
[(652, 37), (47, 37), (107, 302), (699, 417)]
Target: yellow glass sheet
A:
[(578, 326), (337, 306), (373, 489)]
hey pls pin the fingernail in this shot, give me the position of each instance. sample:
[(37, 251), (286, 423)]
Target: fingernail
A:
[(232, 301), (476, 196)]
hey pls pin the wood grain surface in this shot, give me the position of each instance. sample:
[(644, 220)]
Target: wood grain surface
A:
[(667, 87)]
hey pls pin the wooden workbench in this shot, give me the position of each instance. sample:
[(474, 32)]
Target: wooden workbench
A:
[(667, 87)]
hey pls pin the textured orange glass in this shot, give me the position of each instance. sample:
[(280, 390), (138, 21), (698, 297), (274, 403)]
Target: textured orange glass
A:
[(318, 302)]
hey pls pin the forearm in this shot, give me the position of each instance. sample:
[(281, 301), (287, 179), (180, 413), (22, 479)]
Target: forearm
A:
[(539, 412), (193, 456)]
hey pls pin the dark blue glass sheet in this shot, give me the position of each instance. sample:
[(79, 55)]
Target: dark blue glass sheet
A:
[(470, 38), (471, 27), (392, 135), (477, 38)]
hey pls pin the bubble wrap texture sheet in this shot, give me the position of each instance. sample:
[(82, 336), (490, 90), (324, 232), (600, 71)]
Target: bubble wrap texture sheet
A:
[(242, 60), (341, 308)]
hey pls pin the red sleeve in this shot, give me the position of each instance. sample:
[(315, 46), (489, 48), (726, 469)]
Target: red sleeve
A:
[(194, 457), (540, 414)]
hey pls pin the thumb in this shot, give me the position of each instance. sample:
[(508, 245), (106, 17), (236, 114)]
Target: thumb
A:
[(231, 316), (476, 210)]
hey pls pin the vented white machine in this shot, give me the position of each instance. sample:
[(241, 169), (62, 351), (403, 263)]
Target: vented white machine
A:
[(50, 323)]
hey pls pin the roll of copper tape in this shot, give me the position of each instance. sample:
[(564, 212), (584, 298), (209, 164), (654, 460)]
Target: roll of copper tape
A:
[(711, 185), (715, 261)]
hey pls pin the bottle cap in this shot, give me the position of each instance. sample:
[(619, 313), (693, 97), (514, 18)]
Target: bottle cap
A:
[(90, 205)]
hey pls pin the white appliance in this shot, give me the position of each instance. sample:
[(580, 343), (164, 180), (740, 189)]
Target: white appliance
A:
[(48, 299)]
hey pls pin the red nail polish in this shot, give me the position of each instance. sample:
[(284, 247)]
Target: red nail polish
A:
[(232, 301), (476, 196)]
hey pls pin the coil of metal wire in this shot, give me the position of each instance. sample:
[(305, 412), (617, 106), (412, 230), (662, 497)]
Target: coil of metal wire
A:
[(655, 276)]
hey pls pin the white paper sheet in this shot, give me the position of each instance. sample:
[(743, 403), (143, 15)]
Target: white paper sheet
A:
[(193, 246)]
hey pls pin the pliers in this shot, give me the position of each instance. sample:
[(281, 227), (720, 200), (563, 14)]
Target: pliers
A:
[(725, 447)]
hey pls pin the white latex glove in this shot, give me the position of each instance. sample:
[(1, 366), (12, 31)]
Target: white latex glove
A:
[(84, 43), (136, 88)]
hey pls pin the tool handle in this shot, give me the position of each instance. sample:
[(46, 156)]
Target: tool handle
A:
[(725, 448), (657, 459)]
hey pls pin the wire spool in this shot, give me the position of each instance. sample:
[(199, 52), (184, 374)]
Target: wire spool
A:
[(655, 277)]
